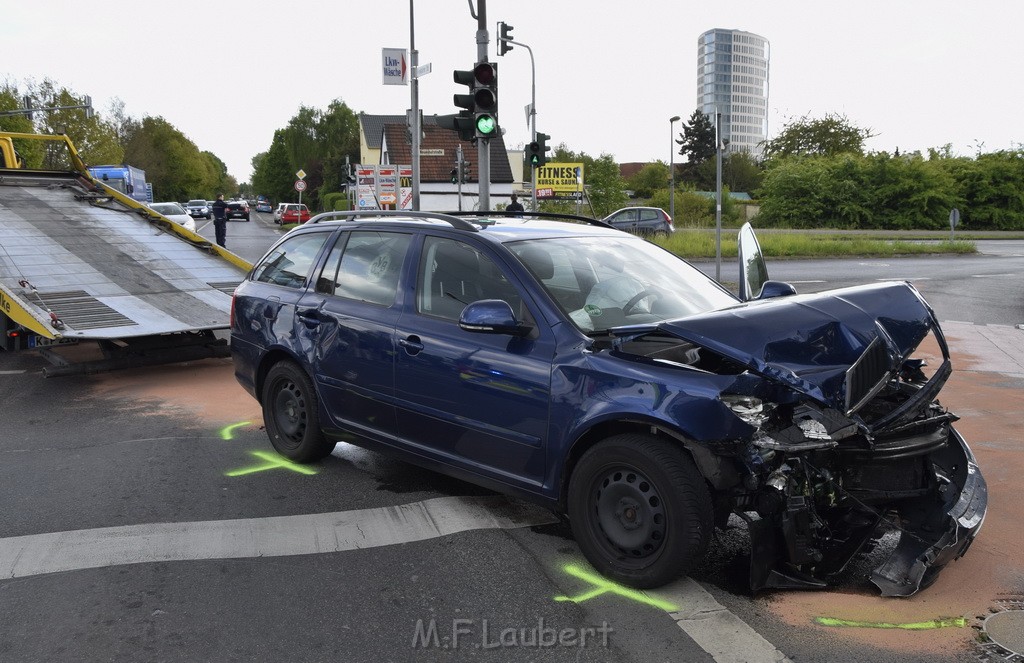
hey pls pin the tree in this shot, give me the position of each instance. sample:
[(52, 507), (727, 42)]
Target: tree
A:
[(828, 136), (94, 138), (31, 151), (697, 141), (650, 178), (606, 190), (173, 164)]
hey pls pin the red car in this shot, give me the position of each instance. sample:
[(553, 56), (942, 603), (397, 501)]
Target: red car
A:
[(293, 214)]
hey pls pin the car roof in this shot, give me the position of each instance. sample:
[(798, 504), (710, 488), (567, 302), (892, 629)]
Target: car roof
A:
[(496, 227)]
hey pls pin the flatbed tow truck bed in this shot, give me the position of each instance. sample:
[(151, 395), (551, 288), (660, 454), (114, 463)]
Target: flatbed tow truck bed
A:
[(81, 262)]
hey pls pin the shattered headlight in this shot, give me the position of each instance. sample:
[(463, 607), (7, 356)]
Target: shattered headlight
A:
[(750, 409)]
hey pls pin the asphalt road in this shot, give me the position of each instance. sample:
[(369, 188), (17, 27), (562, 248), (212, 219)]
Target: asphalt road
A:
[(156, 528)]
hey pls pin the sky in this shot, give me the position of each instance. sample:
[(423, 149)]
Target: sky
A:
[(609, 74)]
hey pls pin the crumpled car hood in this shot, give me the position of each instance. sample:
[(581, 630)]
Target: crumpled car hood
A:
[(808, 342)]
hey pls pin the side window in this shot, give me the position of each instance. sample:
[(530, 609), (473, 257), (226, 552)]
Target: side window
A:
[(453, 274), (625, 217), (371, 265), (649, 215), (291, 262), (552, 265)]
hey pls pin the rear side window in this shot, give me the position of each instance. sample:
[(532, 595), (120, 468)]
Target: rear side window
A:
[(371, 264), (290, 263)]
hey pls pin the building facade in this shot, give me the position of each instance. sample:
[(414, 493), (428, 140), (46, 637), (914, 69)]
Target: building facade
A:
[(732, 79)]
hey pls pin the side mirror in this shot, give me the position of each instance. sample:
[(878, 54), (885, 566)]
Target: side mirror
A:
[(492, 316), (776, 289)]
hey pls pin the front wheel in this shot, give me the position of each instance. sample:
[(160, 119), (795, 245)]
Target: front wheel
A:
[(290, 414), (640, 510)]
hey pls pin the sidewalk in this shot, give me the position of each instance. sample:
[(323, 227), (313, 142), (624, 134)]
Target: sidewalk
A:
[(986, 348)]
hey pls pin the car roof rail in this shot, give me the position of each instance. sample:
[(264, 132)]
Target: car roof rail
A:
[(352, 215), (537, 215)]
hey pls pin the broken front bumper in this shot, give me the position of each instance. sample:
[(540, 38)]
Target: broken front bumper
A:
[(927, 543)]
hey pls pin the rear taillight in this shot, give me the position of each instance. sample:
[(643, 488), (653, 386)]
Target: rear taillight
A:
[(668, 219)]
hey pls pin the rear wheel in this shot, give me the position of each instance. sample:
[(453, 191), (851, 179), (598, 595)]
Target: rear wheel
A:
[(290, 414), (640, 510)]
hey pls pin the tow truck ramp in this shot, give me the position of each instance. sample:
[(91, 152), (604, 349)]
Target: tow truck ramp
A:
[(81, 262)]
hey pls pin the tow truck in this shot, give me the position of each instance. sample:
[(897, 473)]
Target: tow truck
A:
[(81, 262)]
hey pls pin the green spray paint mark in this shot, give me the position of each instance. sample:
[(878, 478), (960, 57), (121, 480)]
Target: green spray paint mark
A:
[(272, 462), (227, 432), (910, 626), (603, 586)]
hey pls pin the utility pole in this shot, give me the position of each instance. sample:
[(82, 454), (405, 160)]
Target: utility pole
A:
[(414, 123)]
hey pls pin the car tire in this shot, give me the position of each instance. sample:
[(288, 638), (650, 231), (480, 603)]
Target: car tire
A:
[(247, 217), (208, 217), (291, 416), (640, 510)]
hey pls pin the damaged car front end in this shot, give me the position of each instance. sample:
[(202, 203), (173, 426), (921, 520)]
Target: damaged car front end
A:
[(845, 436)]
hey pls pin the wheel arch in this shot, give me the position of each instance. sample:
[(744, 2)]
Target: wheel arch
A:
[(271, 358), (718, 472)]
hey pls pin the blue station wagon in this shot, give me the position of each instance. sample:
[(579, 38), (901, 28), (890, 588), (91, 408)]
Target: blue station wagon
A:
[(593, 372)]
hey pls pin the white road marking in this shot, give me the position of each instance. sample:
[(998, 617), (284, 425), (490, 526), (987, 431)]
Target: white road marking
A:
[(11, 372), (818, 281), (36, 554), (719, 632), (907, 278), (988, 276)]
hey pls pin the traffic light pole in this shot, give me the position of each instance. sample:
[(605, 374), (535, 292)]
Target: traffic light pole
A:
[(505, 32), (483, 146)]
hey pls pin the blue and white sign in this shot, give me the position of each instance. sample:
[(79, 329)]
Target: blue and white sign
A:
[(395, 66)]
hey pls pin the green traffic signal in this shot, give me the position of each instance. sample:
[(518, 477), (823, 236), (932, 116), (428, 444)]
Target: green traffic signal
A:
[(485, 125)]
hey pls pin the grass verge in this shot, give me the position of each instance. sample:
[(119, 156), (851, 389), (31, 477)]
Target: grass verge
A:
[(701, 244)]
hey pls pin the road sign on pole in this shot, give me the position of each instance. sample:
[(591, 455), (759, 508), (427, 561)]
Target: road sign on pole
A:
[(300, 185), (301, 174)]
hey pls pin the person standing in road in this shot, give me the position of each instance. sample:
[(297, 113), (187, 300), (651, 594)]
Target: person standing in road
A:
[(515, 205), (220, 222)]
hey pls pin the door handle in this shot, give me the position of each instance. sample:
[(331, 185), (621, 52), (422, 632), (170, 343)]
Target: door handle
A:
[(309, 316), (412, 345)]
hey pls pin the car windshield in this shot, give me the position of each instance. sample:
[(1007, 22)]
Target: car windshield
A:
[(197, 203), (600, 284), (168, 208)]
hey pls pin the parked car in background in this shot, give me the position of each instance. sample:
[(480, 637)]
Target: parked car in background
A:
[(200, 208), (641, 220), (175, 212), (237, 209), (264, 206), (277, 212), (294, 213), (557, 362)]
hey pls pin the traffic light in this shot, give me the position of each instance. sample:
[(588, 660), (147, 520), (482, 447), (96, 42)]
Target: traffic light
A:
[(485, 99), (28, 108), (464, 172), (504, 36), (464, 121), (455, 175), (536, 151)]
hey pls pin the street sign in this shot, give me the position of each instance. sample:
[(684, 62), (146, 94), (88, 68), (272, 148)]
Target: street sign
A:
[(954, 218), (395, 67), (301, 174), (300, 185)]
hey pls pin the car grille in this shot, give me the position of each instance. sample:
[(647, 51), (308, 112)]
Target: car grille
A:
[(867, 376)]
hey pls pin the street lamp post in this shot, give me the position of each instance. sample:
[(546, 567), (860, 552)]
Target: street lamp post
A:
[(718, 196), (672, 168)]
